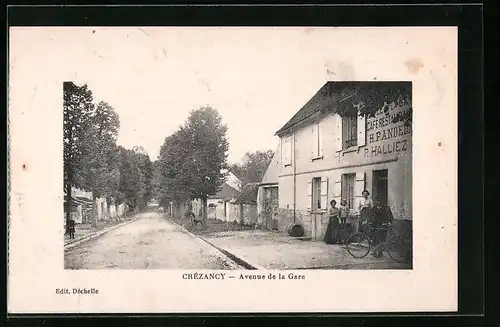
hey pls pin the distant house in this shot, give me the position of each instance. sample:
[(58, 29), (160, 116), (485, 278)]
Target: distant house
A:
[(220, 204), (247, 201), (233, 181), (81, 205), (82, 202)]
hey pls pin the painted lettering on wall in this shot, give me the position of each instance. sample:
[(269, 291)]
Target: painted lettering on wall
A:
[(377, 150), (389, 133), (381, 129)]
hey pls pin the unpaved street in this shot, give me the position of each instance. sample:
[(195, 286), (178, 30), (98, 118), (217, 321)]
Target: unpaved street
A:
[(150, 242)]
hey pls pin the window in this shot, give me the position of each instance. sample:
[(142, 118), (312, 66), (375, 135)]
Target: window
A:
[(286, 151), (348, 184), (317, 191), (349, 131), (316, 197)]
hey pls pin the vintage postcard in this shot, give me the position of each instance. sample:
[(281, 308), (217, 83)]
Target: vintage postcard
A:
[(232, 169)]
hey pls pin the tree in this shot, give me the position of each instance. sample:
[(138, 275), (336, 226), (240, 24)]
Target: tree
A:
[(193, 160), (208, 147), (144, 171), (253, 166), (92, 159), (100, 170), (135, 176), (156, 179), (173, 175), (77, 109), (148, 177)]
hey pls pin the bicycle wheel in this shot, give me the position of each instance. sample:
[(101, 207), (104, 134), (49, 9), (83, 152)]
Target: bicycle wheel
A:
[(358, 245), (398, 249)]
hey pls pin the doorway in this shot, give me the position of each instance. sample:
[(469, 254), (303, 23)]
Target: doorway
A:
[(317, 214), (380, 185), (271, 207)]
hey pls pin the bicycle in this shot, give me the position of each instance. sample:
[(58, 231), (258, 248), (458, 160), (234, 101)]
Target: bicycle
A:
[(397, 247)]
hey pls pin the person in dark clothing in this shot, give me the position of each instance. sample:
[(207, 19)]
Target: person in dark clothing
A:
[(70, 228), (192, 218), (380, 215), (332, 231), (364, 209)]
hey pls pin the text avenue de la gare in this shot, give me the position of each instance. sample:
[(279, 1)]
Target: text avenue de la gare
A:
[(221, 276)]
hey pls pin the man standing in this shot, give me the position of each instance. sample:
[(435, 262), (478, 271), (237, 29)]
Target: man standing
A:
[(380, 215)]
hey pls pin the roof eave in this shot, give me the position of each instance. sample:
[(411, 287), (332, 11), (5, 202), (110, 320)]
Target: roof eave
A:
[(268, 183), (334, 108)]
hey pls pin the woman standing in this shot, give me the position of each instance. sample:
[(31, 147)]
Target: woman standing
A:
[(332, 231)]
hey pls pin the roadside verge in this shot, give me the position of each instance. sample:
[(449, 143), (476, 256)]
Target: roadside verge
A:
[(237, 260), (98, 233)]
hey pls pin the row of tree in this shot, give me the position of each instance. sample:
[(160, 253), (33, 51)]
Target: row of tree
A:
[(92, 159), (192, 163)]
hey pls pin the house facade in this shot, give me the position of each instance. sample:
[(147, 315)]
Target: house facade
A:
[(247, 202), (221, 205), (81, 207), (325, 156)]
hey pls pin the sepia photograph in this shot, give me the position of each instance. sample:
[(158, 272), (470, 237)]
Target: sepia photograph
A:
[(324, 183), (179, 162)]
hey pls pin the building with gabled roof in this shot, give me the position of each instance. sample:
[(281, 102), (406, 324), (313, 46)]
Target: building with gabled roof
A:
[(221, 204), (325, 155)]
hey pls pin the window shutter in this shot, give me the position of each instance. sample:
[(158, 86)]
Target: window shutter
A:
[(337, 187), (324, 193), (359, 185), (337, 135), (283, 144), (320, 141), (361, 130), (314, 141), (286, 151), (309, 195)]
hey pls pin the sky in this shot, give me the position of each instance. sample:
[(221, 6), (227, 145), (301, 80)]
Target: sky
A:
[(256, 78)]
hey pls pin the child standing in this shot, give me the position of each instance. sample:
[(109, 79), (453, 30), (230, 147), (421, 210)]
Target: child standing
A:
[(344, 211), (71, 228)]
